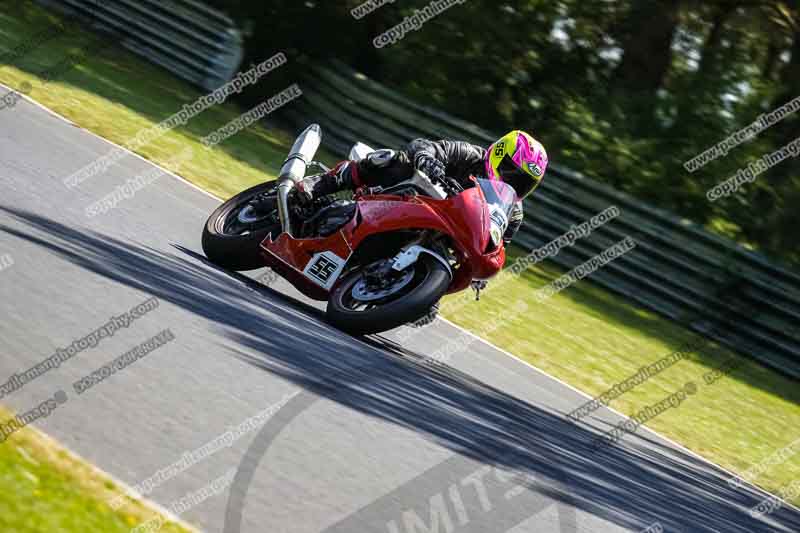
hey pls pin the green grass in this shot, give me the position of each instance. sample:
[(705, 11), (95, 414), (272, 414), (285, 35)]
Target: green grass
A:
[(45, 488), (585, 336)]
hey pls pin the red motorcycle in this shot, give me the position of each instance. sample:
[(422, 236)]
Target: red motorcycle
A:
[(380, 259)]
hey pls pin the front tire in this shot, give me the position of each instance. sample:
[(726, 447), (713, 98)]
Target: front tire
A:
[(234, 231), (429, 283)]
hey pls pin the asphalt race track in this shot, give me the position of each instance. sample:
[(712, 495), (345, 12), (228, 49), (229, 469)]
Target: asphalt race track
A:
[(366, 435)]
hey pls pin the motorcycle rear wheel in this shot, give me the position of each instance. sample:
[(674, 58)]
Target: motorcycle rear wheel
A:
[(233, 232), (429, 283)]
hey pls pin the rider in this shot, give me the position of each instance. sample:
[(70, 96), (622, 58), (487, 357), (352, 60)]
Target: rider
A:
[(516, 159)]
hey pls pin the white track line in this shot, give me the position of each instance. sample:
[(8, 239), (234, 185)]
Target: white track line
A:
[(509, 354)]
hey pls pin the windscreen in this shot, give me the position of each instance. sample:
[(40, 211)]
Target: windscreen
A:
[(501, 198)]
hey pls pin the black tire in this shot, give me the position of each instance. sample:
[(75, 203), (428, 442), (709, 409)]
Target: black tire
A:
[(431, 280), (237, 251)]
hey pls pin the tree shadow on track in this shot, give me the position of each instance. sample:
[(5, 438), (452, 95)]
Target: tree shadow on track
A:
[(631, 486)]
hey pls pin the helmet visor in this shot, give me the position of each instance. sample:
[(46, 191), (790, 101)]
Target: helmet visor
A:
[(519, 180)]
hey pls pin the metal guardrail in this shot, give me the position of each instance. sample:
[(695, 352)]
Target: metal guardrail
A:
[(708, 283), (191, 40)]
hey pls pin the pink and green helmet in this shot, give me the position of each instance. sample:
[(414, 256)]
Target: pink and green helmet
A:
[(518, 160)]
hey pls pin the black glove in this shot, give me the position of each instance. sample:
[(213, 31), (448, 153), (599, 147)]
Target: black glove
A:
[(434, 168)]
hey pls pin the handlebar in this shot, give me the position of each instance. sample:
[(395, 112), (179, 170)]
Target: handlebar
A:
[(451, 186), (448, 186)]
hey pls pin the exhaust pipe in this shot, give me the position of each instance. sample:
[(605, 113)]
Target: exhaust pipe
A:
[(294, 170)]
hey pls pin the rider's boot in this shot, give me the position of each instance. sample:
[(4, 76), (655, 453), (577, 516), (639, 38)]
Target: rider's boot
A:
[(306, 190), (338, 179)]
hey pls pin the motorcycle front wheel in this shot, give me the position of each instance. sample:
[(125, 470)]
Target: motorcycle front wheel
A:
[(359, 308)]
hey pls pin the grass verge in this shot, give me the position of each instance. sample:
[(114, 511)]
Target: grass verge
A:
[(44, 487), (584, 335)]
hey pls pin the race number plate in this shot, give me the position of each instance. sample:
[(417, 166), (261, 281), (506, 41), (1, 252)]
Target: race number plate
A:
[(324, 269), (498, 216)]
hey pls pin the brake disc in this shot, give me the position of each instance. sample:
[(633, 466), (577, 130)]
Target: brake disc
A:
[(363, 292)]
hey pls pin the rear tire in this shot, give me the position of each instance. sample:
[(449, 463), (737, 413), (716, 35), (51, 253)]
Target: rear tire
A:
[(431, 280), (236, 251)]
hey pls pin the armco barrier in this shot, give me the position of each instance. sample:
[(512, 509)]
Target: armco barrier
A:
[(191, 40), (680, 270)]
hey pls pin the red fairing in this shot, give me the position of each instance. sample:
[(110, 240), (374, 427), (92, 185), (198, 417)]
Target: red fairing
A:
[(289, 257), (464, 217)]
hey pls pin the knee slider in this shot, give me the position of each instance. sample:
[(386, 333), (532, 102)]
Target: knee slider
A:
[(381, 158)]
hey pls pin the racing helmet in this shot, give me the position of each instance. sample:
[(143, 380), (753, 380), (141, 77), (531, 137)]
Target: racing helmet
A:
[(518, 160)]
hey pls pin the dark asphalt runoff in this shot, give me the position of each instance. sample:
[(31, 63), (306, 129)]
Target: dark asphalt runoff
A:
[(357, 434)]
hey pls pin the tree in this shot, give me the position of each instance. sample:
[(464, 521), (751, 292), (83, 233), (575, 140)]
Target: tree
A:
[(647, 36)]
